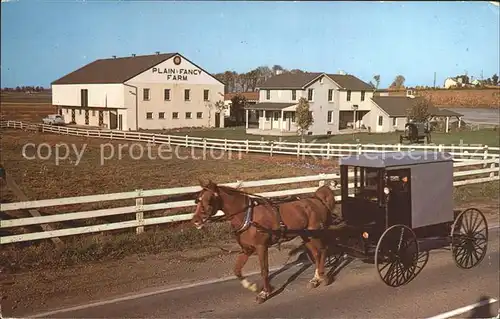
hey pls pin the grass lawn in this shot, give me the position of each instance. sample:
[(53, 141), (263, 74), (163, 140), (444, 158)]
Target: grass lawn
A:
[(489, 137)]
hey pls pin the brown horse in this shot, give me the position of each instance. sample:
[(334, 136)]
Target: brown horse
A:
[(258, 223)]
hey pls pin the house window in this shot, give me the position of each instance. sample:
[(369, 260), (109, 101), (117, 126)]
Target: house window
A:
[(166, 94), (294, 95), (145, 94), (188, 115), (348, 95), (161, 115), (394, 121), (186, 95), (310, 94), (268, 94), (199, 115), (330, 117), (175, 115), (330, 95), (362, 95), (276, 116), (149, 115), (380, 118), (84, 97), (268, 117), (205, 95)]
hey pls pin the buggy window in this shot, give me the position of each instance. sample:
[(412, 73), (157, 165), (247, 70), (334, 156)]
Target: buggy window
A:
[(366, 183)]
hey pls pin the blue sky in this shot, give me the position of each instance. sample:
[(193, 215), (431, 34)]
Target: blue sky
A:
[(44, 40)]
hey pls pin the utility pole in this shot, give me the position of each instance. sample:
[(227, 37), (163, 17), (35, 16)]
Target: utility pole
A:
[(434, 79)]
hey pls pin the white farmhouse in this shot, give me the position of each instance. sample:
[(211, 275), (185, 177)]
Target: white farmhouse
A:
[(159, 91)]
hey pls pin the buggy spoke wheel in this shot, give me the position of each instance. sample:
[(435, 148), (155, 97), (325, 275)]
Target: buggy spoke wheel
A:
[(469, 238), (396, 256)]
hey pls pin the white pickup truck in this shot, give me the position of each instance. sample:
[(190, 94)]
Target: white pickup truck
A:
[(53, 119)]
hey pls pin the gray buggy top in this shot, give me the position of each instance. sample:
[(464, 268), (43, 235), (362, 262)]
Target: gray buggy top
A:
[(391, 159)]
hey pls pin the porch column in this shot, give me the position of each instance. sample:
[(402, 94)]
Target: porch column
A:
[(246, 118), (459, 121), (281, 120), (447, 123)]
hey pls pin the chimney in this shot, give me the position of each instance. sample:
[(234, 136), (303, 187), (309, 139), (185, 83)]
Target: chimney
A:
[(157, 52), (114, 56), (133, 54), (341, 72)]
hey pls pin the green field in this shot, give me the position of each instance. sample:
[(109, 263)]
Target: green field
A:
[(488, 137)]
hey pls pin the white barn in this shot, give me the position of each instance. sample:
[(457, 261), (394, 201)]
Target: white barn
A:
[(159, 91)]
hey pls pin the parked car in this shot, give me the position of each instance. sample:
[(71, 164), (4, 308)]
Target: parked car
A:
[(53, 119)]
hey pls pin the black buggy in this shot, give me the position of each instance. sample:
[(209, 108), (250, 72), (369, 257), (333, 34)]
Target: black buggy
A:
[(393, 202), (416, 132)]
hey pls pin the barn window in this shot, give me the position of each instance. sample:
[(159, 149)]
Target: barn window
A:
[(310, 93), (362, 95), (145, 94), (149, 115), (294, 95), (161, 115), (175, 115), (394, 121), (188, 115), (330, 95), (166, 94), (205, 95), (199, 115), (348, 95), (186, 95), (268, 94), (380, 119)]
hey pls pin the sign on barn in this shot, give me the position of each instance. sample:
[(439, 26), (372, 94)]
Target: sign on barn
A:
[(176, 74)]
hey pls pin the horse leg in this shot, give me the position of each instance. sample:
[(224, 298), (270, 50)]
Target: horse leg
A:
[(319, 254), (262, 252), (241, 260)]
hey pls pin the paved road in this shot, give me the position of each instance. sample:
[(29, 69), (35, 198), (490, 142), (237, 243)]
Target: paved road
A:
[(357, 292)]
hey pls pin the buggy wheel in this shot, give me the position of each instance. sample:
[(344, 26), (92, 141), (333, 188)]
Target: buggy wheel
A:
[(469, 238), (396, 255)]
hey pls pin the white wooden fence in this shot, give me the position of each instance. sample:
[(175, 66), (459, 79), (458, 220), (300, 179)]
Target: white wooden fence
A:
[(316, 150), (488, 172)]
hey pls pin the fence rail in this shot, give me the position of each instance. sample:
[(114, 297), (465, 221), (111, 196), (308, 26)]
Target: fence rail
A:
[(489, 171), (323, 150)]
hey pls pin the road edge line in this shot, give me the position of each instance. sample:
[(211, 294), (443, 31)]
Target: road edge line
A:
[(464, 309)]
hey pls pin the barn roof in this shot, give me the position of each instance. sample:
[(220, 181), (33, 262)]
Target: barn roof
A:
[(299, 80), (391, 159), (113, 70)]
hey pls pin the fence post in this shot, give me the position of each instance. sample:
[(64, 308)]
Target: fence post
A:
[(328, 151), (493, 165), (272, 146), (247, 146), (485, 156), (154, 138), (360, 149), (225, 145), (139, 215), (111, 135), (322, 181), (168, 140), (298, 149), (204, 147), (187, 140), (399, 147)]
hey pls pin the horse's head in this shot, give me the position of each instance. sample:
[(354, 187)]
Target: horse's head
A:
[(208, 203)]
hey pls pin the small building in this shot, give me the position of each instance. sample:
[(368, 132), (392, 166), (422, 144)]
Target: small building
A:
[(338, 102), (153, 92), (251, 98), (390, 113)]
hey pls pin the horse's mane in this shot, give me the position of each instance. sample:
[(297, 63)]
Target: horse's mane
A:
[(234, 191)]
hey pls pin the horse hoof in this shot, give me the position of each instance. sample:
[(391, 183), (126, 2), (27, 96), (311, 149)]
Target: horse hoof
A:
[(253, 287), (313, 284), (260, 299), (261, 296)]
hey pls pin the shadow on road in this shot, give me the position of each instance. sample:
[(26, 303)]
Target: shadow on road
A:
[(483, 311)]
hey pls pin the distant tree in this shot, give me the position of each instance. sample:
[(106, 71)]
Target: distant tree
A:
[(377, 80), (277, 68), (238, 103), (420, 111), (489, 81), (303, 117), (494, 79), (398, 82)]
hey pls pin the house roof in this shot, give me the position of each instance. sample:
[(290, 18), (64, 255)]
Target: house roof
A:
[(269, 106), (300, 80), (397, 106), (250, 96), (113, 70)]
